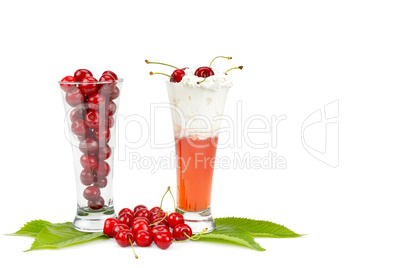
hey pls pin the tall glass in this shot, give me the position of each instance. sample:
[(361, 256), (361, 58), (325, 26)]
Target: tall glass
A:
[(91, 127), (196, 114)]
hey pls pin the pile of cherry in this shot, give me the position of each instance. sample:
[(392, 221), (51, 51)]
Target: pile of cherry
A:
[(92, 118), (142, 227)]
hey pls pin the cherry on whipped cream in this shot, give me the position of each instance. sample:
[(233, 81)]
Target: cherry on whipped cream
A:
[(175, 77), (204, 72), (207, 71)]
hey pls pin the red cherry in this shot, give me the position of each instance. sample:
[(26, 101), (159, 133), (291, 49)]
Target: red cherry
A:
[(68, 83), (125, 238), (162, 223), (143, 238), (102, 135), (114, 94), (87, 177), (163, 240), (177, 75), (125, 218), (78, 113), (80, 74), (93, 119), (160, 220), (88, 162), (204, 72), (141, 219), (107, 85), (74, 97), (89, 85), (110, 73), (91, 193), (96, 204), (104, 152), (100, 182), (108, 226), (154, 216), (126, 210), (111, 108), (142, 213), (103, 169), (159, 225), (157, 211), (88, 145), (96, 101), (159, 229), (107, 121), (80, 138), (140, 225), (174, 219), (138, 208), (110, 122), (118, 227), (79, 128), (181, 230)]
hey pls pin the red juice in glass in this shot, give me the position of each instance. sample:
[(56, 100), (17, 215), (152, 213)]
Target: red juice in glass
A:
[(195, 168)]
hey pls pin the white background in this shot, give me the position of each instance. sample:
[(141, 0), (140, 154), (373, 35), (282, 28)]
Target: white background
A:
[(298, 56)]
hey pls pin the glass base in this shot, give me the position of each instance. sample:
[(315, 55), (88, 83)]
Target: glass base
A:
[(198, 221), (87, 220)]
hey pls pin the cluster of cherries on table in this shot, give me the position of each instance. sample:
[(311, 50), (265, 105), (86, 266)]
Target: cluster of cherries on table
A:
[(144, 226), (92, 118)]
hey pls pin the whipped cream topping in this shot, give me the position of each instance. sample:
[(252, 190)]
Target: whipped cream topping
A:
[(214, 82)]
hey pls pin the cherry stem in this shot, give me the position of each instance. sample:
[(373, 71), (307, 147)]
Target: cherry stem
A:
[(152, 62), (199, 82), (240, 67), (174, 202), (195, 237), (188, 237), (129, 240), (229, 58), (152, 73)]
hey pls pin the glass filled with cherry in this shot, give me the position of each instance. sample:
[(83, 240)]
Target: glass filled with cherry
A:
[(91, 106)]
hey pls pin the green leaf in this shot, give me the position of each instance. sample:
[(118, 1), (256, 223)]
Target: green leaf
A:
[(32, 228), (232, 235), (61, 235), (257, 228), (242, 231)]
